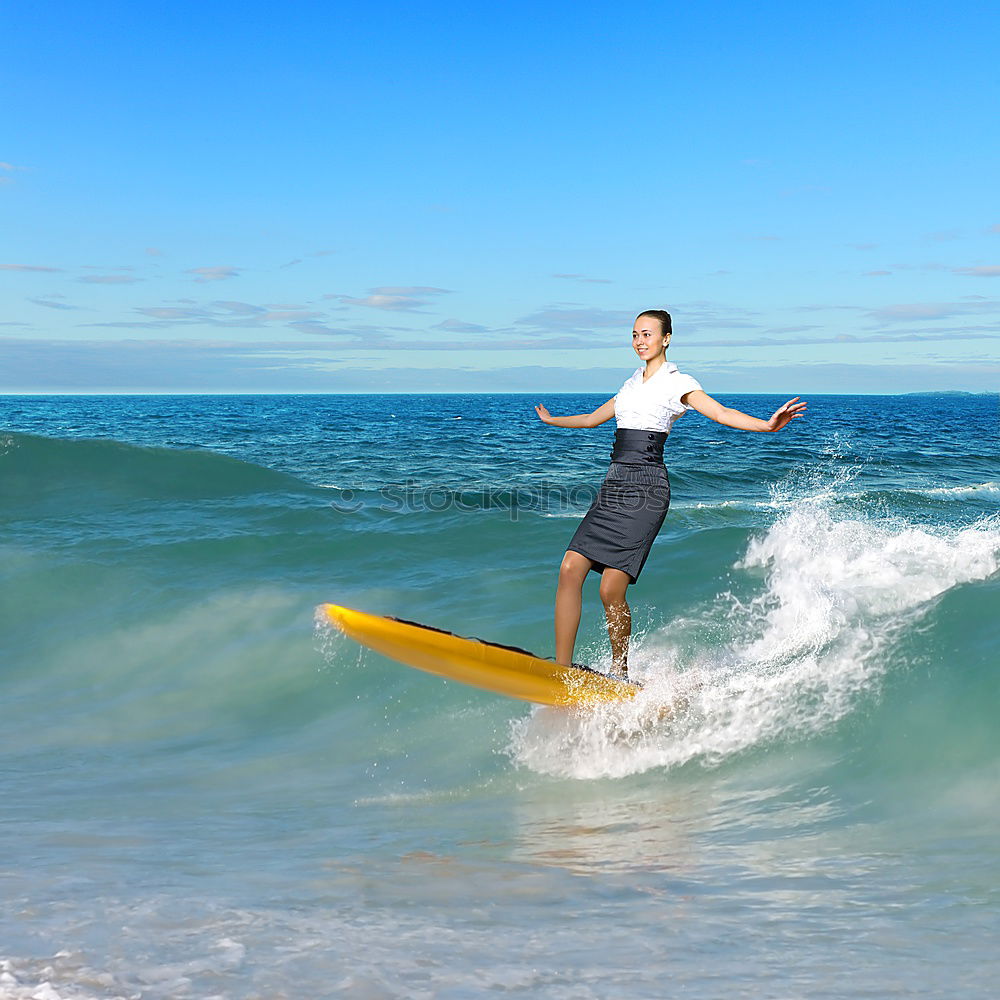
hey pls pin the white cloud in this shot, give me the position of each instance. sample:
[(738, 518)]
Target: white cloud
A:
[(583, 279), (318, 328), (394, 298), (227, 314), (991, 271), (409, 290), (236, 308), (901, 337), (8, 168), (213, 273), (30, 267), (49, 304), (172, 313), (288, 316), (576, 320), (703, 315), (917, 311), (458, 326)]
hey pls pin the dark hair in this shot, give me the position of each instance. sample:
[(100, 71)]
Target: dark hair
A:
[(662, 315)]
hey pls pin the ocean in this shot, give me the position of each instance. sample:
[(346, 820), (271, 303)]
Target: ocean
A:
[(207, 795)]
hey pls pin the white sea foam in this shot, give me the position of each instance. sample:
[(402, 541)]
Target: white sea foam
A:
[(724, 504), (963, 491), (836, 492), (832, 594), (68, 976)]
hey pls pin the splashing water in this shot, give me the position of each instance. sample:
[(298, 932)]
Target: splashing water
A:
[(833, 592)]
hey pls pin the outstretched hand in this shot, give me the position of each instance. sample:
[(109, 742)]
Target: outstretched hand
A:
[(543, 414), (784, 414)]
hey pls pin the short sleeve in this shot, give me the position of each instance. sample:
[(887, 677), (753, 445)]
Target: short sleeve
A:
[(686, 384)]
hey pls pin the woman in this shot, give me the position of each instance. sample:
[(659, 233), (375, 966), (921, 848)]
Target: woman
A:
[(615, 536)]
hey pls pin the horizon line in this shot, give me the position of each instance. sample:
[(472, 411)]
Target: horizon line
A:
[(447, 392)]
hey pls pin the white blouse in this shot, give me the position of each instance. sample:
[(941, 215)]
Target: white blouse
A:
[(655, 404)]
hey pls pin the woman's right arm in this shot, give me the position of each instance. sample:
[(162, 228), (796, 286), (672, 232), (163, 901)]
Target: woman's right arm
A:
[(601, 415)]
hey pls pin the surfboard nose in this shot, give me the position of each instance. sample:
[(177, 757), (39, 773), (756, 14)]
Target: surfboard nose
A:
[(507, 670), (335, 614)]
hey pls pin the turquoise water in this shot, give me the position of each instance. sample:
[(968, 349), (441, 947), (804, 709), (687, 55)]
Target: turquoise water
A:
[(206, 795)]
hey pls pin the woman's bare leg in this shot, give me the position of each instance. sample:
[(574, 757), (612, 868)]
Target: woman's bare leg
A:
[(569, 597), (614, 583)]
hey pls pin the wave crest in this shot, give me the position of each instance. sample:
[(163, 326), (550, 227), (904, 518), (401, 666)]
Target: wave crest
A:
[(819, 604)]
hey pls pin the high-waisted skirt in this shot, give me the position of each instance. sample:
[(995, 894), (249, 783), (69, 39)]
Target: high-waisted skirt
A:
[(618, 530)]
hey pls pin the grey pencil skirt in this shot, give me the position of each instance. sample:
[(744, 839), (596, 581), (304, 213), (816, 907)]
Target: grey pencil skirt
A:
[(618, 530)]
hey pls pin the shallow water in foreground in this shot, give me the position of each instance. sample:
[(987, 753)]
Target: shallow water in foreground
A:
[(206, 795)]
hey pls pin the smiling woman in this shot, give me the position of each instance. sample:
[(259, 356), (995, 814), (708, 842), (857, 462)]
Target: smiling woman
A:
[(615, 536)]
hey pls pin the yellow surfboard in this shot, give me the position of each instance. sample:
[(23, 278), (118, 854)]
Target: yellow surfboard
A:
[(503, 669)]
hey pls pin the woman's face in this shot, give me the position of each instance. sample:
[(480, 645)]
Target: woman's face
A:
[(647, 339)]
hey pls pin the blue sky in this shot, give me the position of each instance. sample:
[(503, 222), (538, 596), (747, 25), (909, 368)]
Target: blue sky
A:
[(336, 197)]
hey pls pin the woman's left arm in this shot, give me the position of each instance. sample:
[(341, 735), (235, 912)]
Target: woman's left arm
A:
[(714, 410)]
